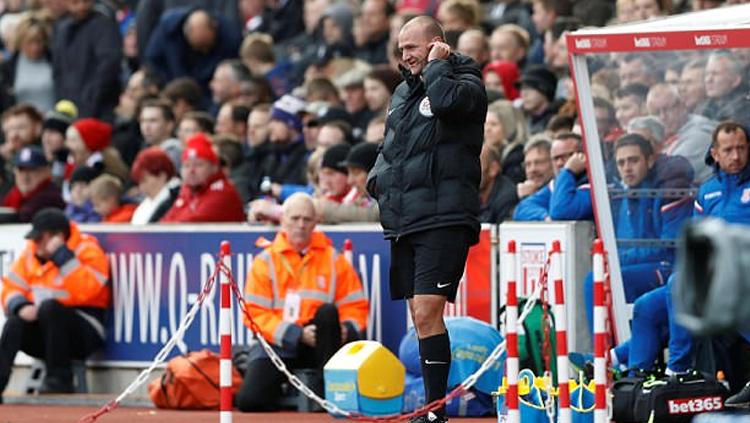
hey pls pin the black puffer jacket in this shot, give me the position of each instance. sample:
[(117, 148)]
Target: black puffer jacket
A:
[(427, 173)]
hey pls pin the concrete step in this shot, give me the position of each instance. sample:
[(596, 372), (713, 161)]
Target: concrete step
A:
[(79, 400)]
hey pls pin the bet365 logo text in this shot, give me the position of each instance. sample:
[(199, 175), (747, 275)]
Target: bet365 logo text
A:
[(695, 405)]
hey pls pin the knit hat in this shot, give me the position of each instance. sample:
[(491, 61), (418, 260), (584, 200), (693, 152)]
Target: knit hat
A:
[(334, 156), (541, 79), (508, 73), (95, 133), (287, 109), (199, 147), (362, 156), (59, 118), (85, 174)]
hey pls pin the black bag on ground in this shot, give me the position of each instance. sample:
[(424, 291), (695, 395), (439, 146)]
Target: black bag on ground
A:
[(673, 399), (625, 391)]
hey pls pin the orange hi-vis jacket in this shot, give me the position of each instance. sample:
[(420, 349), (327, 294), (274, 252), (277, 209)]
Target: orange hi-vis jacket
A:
[(76, 276), (284, 289)]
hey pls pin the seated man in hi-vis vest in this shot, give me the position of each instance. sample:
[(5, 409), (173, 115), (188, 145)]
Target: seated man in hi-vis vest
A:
[(306, 299)]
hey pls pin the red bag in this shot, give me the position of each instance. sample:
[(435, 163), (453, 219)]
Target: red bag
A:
[(191, 382)]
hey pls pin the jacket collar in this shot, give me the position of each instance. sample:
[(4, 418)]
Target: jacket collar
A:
[(281, 244)]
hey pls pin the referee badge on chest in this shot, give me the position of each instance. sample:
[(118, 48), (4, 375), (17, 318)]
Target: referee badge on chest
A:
[(745, 196), (424, 107)]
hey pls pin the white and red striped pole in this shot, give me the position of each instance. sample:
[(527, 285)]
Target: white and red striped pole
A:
[(225, 332), (349, 251), (511, 336), (561, 333), (600, 334)]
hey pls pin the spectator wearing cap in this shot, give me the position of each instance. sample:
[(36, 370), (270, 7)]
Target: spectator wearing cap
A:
[(502, 76), (89, 143), (374, 29), (54, 126), (33, 189), (191, 42), (206, 195), (538, 86), (22, 126), (155, 175), (55, 297), (287, 162), (380, 84), (106, 196), (86, 53), (357, 205), (79, 208), (333, 179)]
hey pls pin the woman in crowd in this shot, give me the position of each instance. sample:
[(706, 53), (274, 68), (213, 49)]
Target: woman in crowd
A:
[(380, 84), (505, 127), (157, 180), (27, 76)]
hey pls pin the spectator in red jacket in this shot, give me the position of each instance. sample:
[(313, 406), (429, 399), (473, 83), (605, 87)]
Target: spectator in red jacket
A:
[(206, 195), (33, 189)]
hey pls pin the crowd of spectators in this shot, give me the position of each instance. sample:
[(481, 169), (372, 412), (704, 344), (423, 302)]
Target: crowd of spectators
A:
[(102, 92)]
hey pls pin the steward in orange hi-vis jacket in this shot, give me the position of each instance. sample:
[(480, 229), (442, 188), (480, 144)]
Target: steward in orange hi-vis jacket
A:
[(306, 299), (55, 297)]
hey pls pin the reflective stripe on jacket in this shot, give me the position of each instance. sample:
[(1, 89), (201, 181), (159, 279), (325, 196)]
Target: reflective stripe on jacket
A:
[(280, 270), (76, 276)]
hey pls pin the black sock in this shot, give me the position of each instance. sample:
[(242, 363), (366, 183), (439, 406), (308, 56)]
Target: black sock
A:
[(435, 355)]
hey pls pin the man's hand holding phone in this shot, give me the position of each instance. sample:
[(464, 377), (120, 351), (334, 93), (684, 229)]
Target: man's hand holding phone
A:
[(438, 51)]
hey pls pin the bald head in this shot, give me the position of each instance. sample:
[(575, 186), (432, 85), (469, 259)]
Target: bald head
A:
[(428, 25), (298, 220), (416, 40), (200, 31)]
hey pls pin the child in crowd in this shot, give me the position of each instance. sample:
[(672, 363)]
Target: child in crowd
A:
[(79, 208), (106, 195)]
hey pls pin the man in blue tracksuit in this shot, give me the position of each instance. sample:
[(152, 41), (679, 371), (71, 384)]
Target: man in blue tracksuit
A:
[(726, 195), (639, 217), (568, 196)]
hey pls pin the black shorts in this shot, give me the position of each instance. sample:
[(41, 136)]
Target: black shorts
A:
[(429, 262)]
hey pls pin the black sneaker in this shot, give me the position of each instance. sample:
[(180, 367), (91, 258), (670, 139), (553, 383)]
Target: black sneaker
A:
[(430, 417), (740, 399)]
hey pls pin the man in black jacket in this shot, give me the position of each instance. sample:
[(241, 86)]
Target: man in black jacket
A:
[(86, 56), (426, 180)]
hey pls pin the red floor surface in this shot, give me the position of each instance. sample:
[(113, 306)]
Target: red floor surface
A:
[(36, 413)]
